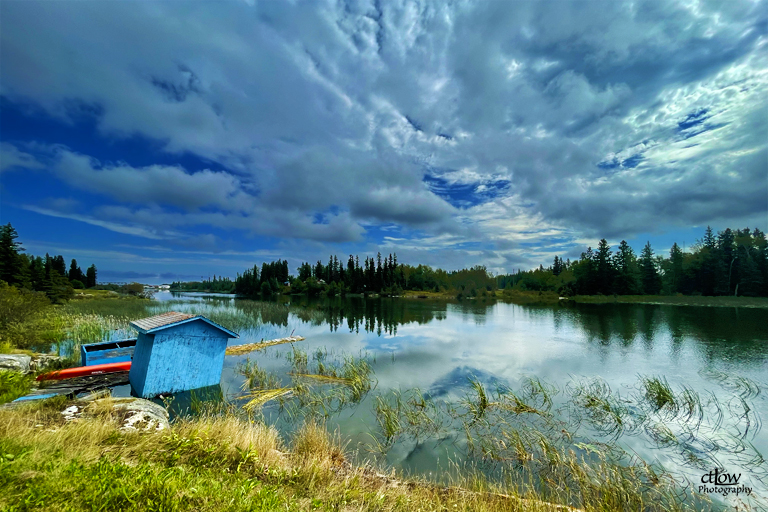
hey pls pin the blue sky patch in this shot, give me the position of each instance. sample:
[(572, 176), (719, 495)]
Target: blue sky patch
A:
[(693, 119), (466, 195)]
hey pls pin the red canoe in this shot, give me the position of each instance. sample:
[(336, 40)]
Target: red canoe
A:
[(84, 371)]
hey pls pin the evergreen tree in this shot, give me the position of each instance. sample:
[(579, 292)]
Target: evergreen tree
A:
[(305, 271), (604, 268), (75, 273), (585, 273), (90, 277), (10, 263), (760, 256), (37, 273), (709, 240), (379, 281), (726, 278), (648, 271), (59, 265), (676, 276), (627, 273), (557, 266)]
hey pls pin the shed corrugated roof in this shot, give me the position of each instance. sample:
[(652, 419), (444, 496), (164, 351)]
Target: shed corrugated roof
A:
[(172, 317), (165, 320)]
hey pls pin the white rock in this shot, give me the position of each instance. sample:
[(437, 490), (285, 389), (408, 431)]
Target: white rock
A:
[(15, 362), (140, 414), (71, 413)]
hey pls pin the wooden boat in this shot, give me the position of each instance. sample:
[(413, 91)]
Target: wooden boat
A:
[(84, 371)]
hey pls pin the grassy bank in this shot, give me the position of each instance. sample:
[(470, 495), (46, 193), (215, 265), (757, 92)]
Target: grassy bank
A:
[(414, 294), (675, 300), (226, 462), (533, 297)]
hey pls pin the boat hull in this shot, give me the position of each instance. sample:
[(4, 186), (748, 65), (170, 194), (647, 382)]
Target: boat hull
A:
[(83, 371)]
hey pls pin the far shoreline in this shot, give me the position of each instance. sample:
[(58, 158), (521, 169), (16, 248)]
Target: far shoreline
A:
[(534, 297)]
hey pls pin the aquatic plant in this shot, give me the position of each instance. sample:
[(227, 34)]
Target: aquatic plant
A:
[(298, 359), (593, 400), (388, 417), (659, 394), (258, 397), (256, 377)]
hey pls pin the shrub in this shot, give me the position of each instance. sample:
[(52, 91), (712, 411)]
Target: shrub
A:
[(27, 318)]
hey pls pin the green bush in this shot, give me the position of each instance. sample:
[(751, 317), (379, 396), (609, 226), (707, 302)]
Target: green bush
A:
[(27, 319), (13, 385)]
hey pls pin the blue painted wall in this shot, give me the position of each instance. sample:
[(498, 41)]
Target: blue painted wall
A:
[(179, 358), (107, 352)]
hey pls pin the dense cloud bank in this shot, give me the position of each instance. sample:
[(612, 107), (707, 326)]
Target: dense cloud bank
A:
[(452, 132)]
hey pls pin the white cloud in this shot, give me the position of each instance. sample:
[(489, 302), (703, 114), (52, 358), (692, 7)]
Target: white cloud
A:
[(13, 158), (337, 111)]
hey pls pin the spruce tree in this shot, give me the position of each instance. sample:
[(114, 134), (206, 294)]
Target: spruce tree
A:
[(648, 271), (10, 263), (604, 268), (675, 280), (90, 277), (627, 274), (75, 273)]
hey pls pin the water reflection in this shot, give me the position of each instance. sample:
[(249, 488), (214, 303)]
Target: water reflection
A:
[(382, 315), (721, 333)]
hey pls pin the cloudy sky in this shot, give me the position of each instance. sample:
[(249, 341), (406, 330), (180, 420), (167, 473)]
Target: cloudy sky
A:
[(177, 139)]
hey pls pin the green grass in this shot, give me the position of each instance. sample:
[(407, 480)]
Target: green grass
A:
[(675, 300), (124, 307), (13, 385), (527, 297)]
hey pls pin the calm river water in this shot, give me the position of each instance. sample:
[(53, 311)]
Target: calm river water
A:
[(721, 353)]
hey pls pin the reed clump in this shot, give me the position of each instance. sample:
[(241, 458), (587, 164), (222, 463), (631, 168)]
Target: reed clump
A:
[(659, 394), (257, 377)]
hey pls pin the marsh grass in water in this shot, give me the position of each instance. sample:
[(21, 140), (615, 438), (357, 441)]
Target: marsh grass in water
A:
[(258, 397), (256, 377), (571, 452), (659, 394), (340, 384), (333, 387), (298, 359), (594, 400), (406, 413)]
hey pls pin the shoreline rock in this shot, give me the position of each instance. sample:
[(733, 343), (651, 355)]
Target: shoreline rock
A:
[(15, 362)]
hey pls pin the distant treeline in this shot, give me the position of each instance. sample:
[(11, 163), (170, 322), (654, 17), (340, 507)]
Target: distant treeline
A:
[(47, 274), (383, 275), (215, 285), (733, 262)]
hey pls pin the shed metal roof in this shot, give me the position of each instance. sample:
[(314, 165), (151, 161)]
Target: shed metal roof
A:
[(172, 319)]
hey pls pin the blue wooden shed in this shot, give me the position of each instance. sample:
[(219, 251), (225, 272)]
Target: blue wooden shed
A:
[(177, 352)]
